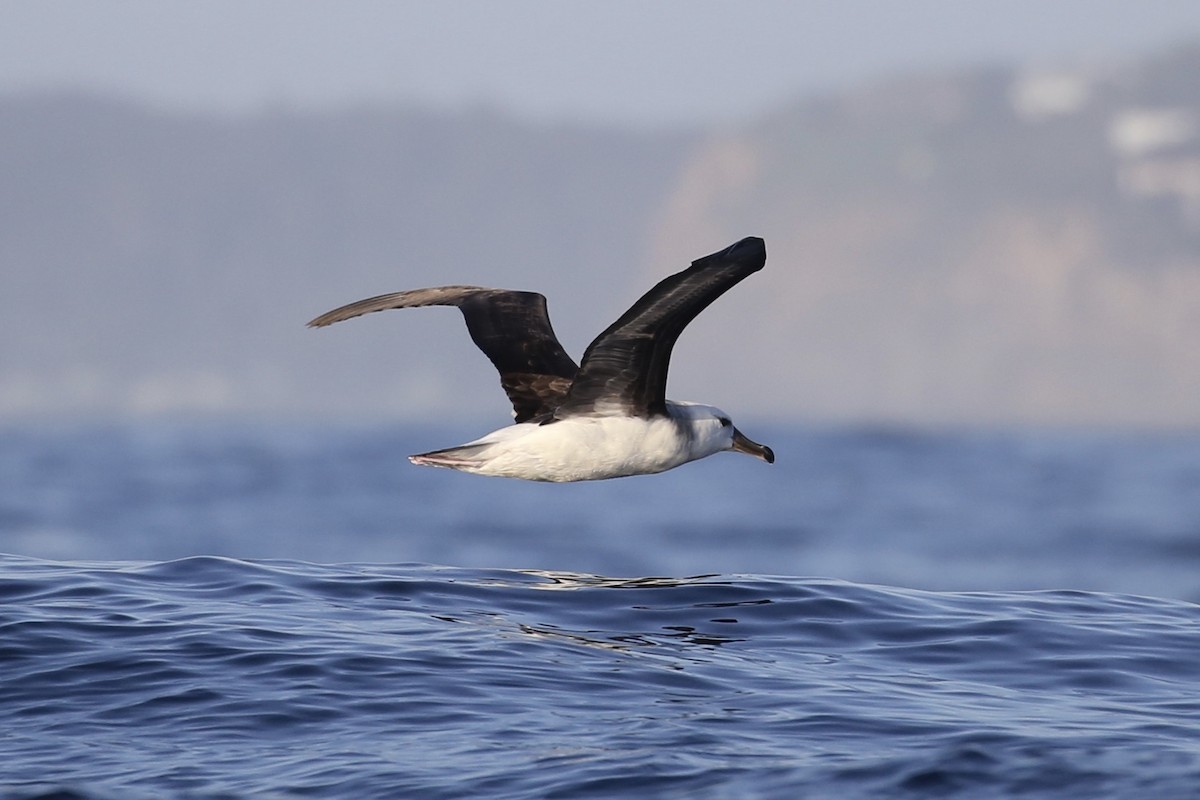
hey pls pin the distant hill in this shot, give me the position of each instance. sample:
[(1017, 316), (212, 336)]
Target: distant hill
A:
[(1000, 246), (988, 246), (158, 262)]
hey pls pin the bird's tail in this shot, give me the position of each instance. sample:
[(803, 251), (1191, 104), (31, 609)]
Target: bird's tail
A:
[(465, 457)]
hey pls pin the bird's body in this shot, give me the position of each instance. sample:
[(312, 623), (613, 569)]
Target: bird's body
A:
[(606, 418), (584, 448)]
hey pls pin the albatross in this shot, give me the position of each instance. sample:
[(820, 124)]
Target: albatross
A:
[(608, 416)]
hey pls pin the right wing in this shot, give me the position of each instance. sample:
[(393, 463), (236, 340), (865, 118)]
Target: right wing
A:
[(511, 328)]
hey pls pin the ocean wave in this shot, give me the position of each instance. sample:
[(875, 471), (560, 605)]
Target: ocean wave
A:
[(217, 677)]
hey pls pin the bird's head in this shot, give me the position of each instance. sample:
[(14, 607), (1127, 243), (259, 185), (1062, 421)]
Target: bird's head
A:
[(712, 431)]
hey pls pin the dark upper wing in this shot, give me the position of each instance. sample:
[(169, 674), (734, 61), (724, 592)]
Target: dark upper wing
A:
[(624, 371), (511, 328)]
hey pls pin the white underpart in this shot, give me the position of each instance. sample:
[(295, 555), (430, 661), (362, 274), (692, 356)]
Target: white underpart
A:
[(594, 447)]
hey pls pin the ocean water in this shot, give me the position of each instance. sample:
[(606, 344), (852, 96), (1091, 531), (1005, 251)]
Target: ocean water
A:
[(240, 609)]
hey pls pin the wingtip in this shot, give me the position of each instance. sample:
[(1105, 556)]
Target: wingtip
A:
[(750, 247), (751, 251)]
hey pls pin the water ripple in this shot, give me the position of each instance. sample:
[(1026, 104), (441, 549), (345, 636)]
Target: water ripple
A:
[(213, 677)]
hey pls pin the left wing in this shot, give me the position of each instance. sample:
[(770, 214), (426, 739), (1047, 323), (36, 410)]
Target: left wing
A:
[(624, 371)]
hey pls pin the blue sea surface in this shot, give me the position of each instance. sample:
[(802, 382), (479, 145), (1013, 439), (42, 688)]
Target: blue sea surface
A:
[(235, 609)]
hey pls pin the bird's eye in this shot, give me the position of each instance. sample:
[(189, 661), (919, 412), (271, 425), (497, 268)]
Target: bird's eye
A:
[(725, 422)]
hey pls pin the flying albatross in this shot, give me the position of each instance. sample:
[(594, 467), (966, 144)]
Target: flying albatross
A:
[(606, 418)]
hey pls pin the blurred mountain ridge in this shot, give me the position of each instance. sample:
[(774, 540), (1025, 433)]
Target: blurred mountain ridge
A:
[(1002, 246), (157, 262), (985, 246)]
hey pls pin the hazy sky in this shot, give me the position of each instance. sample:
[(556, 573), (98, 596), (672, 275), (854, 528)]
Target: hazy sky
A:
[(645, 62)]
